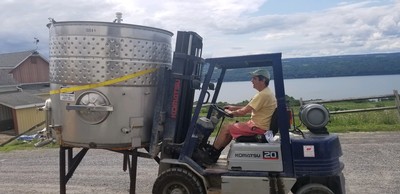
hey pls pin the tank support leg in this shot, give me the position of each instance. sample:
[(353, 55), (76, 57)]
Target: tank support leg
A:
[(73, 163), (132, 165), (63, 181)]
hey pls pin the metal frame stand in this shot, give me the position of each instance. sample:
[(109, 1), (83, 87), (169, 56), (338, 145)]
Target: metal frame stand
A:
[(74, 161)]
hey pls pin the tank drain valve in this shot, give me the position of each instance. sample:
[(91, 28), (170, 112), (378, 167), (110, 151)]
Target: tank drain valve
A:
[(126, 130)]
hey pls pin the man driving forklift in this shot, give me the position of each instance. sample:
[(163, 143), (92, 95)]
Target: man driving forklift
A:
[(261, 107)]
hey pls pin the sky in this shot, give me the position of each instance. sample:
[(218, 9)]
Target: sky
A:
[(296, 28)]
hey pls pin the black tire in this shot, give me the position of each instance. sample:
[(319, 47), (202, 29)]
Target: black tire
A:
[(178, 181), (314, 188)]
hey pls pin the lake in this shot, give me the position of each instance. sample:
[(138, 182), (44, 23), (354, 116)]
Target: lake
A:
[(317, 88)]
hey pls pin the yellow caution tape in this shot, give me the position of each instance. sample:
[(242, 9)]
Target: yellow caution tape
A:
[(105, 83)]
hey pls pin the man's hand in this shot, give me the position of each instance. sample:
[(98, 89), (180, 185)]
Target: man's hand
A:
[(229, 111), (229, 108)]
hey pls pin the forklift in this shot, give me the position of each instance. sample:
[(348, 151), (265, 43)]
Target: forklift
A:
[(303, 164)]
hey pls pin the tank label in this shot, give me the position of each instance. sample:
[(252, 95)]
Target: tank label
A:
[(68, 96), (309, 151)]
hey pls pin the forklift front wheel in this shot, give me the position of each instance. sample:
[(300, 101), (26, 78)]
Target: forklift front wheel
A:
[(314, 188), (178, 181)]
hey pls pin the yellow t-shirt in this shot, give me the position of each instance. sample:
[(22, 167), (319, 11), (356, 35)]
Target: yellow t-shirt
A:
[(263, 104)]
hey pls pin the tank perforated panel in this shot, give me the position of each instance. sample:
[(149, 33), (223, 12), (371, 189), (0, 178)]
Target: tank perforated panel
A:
[(96, 56)]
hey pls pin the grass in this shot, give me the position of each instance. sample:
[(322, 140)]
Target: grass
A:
[(382, 120), (386, 120), (24, 145)]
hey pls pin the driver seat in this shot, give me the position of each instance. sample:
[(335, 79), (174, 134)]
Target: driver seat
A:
[(260, 138)]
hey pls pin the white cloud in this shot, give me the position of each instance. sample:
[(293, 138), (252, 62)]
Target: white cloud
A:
[(277, 35)]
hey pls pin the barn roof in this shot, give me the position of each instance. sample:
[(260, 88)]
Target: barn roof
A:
[(20, 100), (12, 60)]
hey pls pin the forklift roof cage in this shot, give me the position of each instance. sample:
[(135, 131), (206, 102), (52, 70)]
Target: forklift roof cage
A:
[(273, 60)]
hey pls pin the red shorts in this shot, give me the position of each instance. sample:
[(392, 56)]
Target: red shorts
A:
[(244, 129)]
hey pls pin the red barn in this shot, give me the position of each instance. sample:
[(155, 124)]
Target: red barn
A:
[(24, 86)]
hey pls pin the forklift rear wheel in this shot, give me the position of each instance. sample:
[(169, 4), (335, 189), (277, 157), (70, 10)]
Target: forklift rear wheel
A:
[(314, 188), (177, 181)]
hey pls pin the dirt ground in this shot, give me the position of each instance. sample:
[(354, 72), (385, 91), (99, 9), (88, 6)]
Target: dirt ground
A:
[(5, 137), (372, 162)]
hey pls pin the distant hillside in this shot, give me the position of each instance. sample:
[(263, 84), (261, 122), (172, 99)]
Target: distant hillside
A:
[(333, 66)]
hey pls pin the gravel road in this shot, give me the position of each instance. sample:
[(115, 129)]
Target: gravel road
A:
[(372, 162)]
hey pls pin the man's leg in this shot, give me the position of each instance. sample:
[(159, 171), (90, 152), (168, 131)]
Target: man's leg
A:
[(223, 138), (211, 154), (244, 129)]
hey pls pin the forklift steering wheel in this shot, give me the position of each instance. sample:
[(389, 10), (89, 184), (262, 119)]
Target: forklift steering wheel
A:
[(221, 111)]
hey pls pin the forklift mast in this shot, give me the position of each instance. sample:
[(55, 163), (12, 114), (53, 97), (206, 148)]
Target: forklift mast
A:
[(173, 111), (186, 72)]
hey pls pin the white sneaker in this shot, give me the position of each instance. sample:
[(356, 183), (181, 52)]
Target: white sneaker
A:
[(269, 136)]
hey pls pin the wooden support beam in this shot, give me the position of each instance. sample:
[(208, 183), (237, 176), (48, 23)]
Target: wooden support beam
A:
[(397, 100), (362, 110), (346, 99)]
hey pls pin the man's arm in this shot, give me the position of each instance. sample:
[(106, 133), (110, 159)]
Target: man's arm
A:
[(232, 108), (240, 111)]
